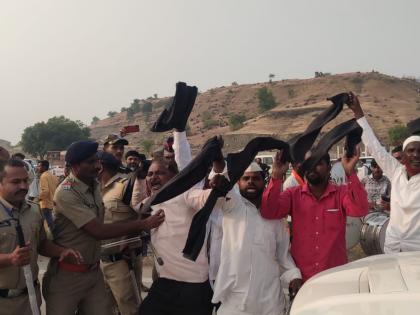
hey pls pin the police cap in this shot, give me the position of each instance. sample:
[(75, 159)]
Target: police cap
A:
[(80, 150)]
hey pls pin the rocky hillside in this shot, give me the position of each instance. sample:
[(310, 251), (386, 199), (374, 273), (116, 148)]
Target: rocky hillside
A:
[(387, 100), (5, 144)]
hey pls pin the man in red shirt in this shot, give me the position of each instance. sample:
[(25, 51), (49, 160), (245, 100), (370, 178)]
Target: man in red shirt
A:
[(318, 209)]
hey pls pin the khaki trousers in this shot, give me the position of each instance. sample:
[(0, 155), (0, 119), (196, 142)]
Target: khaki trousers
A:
[(117, 277), (18, 305), (67, 292)]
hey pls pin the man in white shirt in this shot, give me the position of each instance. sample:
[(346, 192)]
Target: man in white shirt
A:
[(403, 233), (182, 287), (254, 250)]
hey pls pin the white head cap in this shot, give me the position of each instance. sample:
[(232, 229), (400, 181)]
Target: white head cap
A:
[(409, 140), (254, 167)]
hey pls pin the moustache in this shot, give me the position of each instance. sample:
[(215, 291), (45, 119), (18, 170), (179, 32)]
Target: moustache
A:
[(312, 173), (21, 191)]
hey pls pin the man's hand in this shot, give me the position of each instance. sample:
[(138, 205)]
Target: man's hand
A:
[(154, 220), (219, 163), (72, 255), (219, 182), (385, 205), (354, 105), (21, 256), (349, 164), (294, 287), (279, 167)]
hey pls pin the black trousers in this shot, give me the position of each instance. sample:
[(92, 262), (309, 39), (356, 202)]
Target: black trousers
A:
[(170, 297)]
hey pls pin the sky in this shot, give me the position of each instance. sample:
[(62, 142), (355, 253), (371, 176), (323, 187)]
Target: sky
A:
[(83, 58)]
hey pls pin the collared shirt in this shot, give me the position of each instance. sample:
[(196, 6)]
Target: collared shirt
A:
[(139, 192), (255, 253), (214, 242), (75, 205), (319, 226), (33, 230), (115, 209), (170, 237), (403, 232), (375, 188), (47, 185)]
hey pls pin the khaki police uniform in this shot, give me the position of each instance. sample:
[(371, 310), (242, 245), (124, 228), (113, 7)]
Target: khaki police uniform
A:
[(12, 279), (64, 290), (114, 267)]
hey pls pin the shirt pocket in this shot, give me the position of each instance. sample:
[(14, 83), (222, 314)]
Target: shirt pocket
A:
[(119, 211), (8, 239), (265, 239), (333, 219)]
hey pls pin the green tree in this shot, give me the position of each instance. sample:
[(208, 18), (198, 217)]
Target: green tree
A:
[(291, 92), (155, 95), (147, 107), (398, 134), (271, 77), (135, 106), (54, 135), (147, 145), (111, 113), (95, 120), (206, 115), (129, 113), (210, 123), (236, 121), (266, 99), (207, 120)]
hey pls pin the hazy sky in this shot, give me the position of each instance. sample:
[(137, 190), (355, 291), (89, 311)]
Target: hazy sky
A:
[(82, 58)]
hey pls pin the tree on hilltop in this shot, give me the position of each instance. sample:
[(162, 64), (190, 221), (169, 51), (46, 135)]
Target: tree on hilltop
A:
[(54, 135)]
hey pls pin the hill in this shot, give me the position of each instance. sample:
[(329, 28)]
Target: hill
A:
[(387, 101), (5, 144)]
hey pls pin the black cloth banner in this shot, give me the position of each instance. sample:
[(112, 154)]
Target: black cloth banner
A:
[(349, 129), (303, 142), (176, 116)]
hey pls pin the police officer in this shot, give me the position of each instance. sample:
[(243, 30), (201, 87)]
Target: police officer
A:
[(79, 223), (114, 144), (13, 288), (119, 268)]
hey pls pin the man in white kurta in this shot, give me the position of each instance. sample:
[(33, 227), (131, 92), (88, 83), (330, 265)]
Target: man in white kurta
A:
[(403, 232), (254, 256)]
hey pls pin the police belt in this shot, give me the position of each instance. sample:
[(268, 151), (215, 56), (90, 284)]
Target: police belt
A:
[(82, 268), (119, 256), (12, 293)]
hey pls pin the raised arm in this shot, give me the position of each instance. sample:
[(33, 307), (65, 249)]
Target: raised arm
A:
[(182, 149), (276, 204), (354, 196), (385, 160), (355, 200)]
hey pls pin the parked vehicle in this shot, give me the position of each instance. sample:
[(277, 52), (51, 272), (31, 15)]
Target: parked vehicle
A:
[(380, 284)]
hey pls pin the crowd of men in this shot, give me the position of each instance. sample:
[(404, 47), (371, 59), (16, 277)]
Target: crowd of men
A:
[(249, 257)]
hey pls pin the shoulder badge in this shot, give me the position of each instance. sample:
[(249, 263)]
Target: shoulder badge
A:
[(67, 185)]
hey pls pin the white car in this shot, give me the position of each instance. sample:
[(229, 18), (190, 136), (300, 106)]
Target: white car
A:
[(382, 284), (57, 171)]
